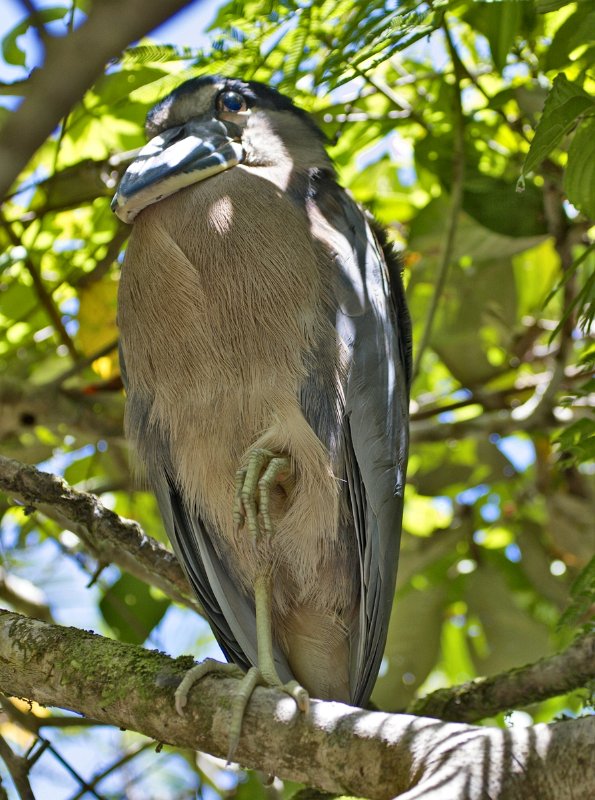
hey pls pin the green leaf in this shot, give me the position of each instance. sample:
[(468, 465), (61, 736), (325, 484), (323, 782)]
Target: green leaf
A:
[(545, 6), (577, 442), (11, 51), (491, 200), (499, 22), (583, 597), (151, 53), (411, 650), (502, 34), (579, 180), (574, 32), (565, 103), (500, 208), (514, 636), (131, 609), (17, 300)]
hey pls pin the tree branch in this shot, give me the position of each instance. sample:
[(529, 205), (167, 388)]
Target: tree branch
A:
[(549, 677), (500, 422), (44, 295), (110, 538), (18, 768), (335, 747), (23, 406), (71, 65), (24, 596)]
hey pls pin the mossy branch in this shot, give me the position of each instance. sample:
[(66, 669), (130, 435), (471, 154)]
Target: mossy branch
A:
[(335, 747)]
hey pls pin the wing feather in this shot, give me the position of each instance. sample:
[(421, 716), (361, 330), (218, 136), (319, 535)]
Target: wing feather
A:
[(373, 324)]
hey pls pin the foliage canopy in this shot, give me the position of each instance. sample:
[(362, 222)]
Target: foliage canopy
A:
[(468, 130)]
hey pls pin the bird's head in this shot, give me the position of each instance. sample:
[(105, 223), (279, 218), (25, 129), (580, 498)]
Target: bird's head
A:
[(211, 124)]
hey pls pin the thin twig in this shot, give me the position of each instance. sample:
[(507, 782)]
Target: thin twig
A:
[(498, 400), (83, 363), (23, 596), (35, 17), (120, 762), (69, 768), (18, 768), (456, 201), (29, 721), (45, 297), (400, 103), (549, 677), (102, 266)]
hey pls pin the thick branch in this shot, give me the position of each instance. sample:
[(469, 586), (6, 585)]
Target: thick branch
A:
[(336, 747), (71, 65), (111, 539), (549, 677), (23, 406)]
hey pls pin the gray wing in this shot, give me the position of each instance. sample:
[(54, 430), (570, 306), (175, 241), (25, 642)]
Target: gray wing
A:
[(228, 610), (372, 320)]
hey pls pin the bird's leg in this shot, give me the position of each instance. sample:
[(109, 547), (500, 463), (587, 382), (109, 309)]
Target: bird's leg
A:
[(254, 486), (265, 674)]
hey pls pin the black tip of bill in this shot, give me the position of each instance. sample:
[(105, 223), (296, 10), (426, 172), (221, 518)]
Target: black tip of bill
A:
[(176, 158)]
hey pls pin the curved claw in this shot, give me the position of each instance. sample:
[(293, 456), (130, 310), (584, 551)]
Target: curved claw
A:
[(239, 516), (299, 694), (197, 672), (271, 476), (253, 488)]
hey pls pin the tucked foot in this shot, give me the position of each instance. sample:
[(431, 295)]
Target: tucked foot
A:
[(253, 488), (253, 678), (199, 671)]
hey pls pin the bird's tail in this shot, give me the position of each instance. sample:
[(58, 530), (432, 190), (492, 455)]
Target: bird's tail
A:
[(318, 653)]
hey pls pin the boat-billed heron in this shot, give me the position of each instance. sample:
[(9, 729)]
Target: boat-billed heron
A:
[(265, 346)]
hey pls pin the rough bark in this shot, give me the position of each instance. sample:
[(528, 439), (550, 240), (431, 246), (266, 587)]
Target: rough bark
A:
[(335, 747)]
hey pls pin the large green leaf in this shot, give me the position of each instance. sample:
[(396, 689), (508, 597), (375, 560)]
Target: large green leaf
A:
[(577, 30), (132, 609), (498, 206), (490, 199), (499, 22), (513, 637), (565, 103), (579, 180)]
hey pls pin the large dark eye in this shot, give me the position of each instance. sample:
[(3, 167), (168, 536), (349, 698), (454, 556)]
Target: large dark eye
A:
[(232, 102)]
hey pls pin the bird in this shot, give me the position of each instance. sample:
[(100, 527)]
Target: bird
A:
[(265, 347)]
